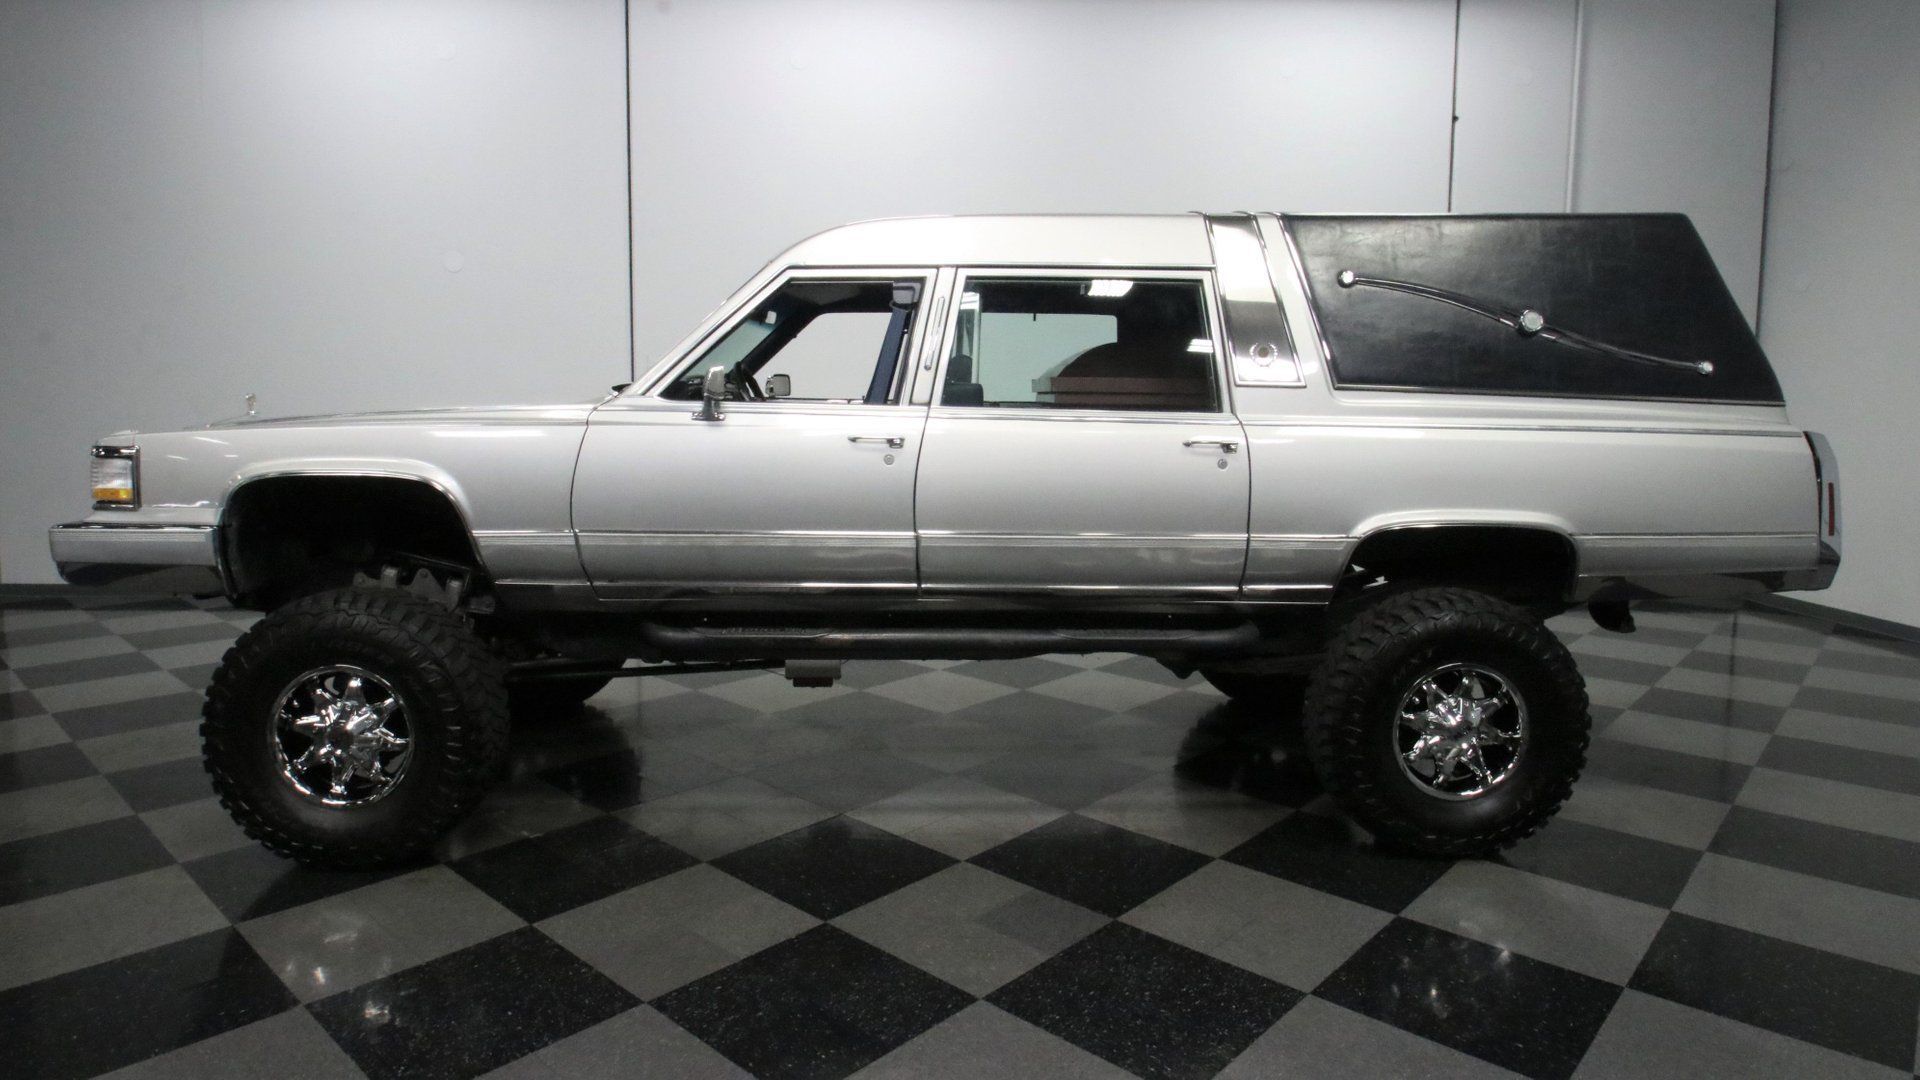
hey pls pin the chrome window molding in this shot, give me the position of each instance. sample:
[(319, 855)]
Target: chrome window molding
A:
[(1250, 305), (1222, 406)]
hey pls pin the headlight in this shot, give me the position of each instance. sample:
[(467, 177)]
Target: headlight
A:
[(116, 477)]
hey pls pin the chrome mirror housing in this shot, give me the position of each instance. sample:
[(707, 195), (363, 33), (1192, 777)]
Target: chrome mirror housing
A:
[(713, 391), (780, 385)]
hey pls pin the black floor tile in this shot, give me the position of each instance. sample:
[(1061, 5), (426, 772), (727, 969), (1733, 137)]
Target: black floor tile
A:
[(830, 868), (46, 765), (471, 1011), (1823, 851), (1866, 706), (251, 881), (627, 778), (1750, 666), (822, 1004), (1708, 709), (1022, 674), (1849, 1005), (195, 674), (1272, 773), (1098, 866), (1889, 772), (1519, 1013), (1146, 1004), (15, 704), (45, 865), (542, 876), (1649, 871), (113, 1014), (846, 778), (78, 671), (124, 716), (1626, 671), (1067, 780), (1672, 637), (48, 635), (1683, 774), (1330, 855), (167, 783)]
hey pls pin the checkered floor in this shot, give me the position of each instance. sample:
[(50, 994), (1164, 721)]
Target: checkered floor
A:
[(1069, 866)]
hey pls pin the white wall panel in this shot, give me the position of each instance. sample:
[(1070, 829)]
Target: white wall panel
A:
[(756, 122), (332, 205), (1673, 115), (1839, 315), (1510, 144)]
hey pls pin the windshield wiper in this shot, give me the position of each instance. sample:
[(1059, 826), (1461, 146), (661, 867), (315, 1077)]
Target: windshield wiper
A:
[(1526, 321)]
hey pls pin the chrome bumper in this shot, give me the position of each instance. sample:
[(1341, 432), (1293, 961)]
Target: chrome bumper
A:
[(175, 559)]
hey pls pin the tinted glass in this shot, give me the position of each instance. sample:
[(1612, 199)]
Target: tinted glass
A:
[(825, 337), (1082, 343)]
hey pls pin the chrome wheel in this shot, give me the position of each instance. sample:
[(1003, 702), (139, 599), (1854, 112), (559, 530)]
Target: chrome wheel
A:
[(341, 736), (1461, 731)]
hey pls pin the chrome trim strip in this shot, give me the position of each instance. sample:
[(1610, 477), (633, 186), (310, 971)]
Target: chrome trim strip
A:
[(777, 538), (1156, 590), (1632, 538), (1078, 538), (1570, 427), (1085, 416), (1250, 305)]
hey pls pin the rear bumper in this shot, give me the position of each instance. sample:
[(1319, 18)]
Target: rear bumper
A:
[(173, 559), (1820, 576)]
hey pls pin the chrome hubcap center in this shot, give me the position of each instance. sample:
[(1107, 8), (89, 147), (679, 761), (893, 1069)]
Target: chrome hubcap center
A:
[(341, 737), (1461, 731)]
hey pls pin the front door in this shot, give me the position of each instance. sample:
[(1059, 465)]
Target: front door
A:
[(805, 480), (1080, 441)]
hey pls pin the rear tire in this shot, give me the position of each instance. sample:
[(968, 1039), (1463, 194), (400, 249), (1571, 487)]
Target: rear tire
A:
[(293, 706), (1447, 721)]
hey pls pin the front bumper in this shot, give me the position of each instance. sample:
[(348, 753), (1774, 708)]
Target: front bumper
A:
[(170, 559)]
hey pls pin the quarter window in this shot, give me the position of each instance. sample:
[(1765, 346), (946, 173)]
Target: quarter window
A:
[(1082, 343)]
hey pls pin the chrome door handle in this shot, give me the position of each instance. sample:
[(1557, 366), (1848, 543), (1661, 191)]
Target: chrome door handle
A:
[(894, 441), (1227, 446)]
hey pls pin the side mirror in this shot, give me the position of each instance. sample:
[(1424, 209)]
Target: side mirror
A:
[(780, 385), (713, 391)]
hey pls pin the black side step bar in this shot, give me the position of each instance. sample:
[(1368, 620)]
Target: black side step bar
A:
[(941, 643)]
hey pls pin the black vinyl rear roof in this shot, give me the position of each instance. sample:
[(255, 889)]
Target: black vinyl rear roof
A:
[(1639, 282)]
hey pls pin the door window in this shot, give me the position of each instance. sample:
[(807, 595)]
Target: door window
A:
[(1082, 343), (812, 341)]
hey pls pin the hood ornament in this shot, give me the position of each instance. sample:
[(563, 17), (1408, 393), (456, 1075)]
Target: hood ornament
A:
[(250, 401)]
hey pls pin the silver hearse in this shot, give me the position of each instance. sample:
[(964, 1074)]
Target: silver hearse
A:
[(1340, 466)]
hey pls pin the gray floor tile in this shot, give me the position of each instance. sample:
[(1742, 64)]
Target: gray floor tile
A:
[(30, 733), (638, 1043), (147, 746), (1687, 737), (291, 1044), (659, 936), (1902, 687), (957, 815), (942, 691), (1853, 731), (1850, 806), (1643, 811), (771, 693), (1105, 690), (526, 806), (847, 780), (1877, 927), (983, 1041), (723, 817), (1268, 925), (91, 925), (758, 742), (943, 924), (1197, 816), (1625, 647), (355, 937), (1320, 1039), (1737, 687), (37, 811), (157, 620), (110, 691), (191, 830), (22, 657), (1577, 928), (1650, 1036)]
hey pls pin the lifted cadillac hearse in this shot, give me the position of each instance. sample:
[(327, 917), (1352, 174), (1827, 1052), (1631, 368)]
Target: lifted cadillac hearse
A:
[(1340, 466)]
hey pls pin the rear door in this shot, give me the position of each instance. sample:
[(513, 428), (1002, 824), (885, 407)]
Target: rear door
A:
[(1080, 439)]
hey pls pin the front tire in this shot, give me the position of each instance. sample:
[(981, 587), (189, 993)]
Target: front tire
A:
[(1447, 721), (352, 728)]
